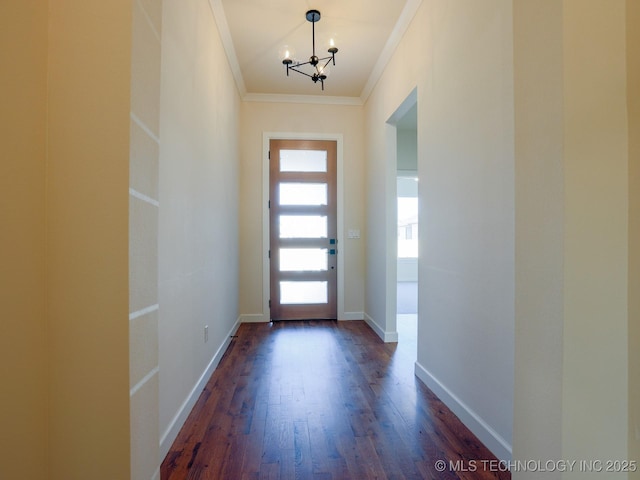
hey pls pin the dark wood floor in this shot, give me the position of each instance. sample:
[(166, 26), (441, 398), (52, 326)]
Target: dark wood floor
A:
[(321, 400)]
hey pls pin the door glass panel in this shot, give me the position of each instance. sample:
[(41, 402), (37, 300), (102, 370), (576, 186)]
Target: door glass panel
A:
[(303, 194), (303, 226), (303, 292), (303, 259), (303, 161)]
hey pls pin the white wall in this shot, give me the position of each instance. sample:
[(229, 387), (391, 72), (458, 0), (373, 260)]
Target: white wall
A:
[(407, 149), (260, 117), (143, 238), (198, 220), (465, 163)]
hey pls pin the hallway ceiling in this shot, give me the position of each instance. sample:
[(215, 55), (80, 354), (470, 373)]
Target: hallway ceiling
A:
[(367, 32)]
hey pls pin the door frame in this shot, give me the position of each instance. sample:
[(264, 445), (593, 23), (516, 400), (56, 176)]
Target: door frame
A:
[(328, 210), (389, 331), (266, 277)]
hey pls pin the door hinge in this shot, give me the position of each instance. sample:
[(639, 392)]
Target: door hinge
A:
[(269, 253), (269, 154), (269, 204)]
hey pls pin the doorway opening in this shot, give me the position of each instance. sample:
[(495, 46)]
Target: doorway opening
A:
[(405, 203), (407, 192)]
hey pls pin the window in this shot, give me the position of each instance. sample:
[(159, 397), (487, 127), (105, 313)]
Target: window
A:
[(408, 227)]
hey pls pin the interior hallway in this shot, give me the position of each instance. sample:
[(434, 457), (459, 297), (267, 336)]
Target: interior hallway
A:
[(322, 400), (132, 202)]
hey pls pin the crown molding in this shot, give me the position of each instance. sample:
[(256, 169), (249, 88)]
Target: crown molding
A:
[(225, 36), (408, 12), (312, 99)]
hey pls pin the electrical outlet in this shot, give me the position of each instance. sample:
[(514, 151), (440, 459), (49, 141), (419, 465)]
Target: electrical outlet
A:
[(206, 333)]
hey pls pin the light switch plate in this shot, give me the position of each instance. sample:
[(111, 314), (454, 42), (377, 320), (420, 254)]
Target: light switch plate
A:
[(353, 233)]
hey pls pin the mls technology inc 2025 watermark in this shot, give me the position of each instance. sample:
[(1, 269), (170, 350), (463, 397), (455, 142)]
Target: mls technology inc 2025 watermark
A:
[(612, 466)]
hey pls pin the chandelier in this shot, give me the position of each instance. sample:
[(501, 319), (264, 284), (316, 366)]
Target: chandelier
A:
[(320, 69)]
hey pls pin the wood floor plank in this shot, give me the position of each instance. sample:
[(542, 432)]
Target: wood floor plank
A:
[(320, 400), (302, 450)]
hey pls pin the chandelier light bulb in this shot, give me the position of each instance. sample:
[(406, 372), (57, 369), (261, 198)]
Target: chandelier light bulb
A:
[(287, 54), (324, 71), (332, 47)]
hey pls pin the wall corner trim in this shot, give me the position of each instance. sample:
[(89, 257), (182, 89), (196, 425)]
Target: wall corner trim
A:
[(170, 434), (387, 337), (487, 435)]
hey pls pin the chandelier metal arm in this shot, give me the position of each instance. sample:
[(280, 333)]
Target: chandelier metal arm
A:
[(299, 71), (315, 77), (328, 59)]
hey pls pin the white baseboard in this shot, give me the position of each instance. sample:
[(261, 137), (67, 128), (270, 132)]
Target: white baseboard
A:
[(261, 318), (170, 434), (481, 429), (387, 337), (254, 318)]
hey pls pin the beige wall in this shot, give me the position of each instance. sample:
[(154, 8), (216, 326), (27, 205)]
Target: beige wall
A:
[(572, 184), (633, 106), (143, 238), (466, 191), (595, 358), (87, 238), (198, 216), (258, 118), (539, 195), (23, 331)]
